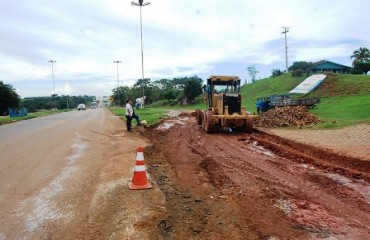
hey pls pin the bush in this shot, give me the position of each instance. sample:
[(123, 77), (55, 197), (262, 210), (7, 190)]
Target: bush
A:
[(162, 103), (276, 72), (297, 73)]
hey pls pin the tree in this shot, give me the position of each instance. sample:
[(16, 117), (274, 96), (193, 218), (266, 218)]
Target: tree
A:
[(170, 93), (300, 67), (361, 55), (252, 71), (8, 98), (305, 66), (163, 83), (361, 68), (121, 93), (193, 88), (276, 72)]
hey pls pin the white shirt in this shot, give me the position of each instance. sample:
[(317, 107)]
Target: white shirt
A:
[(129, 110)]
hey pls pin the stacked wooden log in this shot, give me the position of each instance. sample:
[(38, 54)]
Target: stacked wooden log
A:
[(285, 117)]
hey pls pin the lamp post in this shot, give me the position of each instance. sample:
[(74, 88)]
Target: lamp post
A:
[(118, 61), (52, 71), (140, 4), (286, 30)]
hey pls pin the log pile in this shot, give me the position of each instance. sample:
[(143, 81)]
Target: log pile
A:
[(285, 117)]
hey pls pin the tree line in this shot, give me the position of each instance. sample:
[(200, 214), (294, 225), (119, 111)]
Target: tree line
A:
[(10, 99), (59, 102), (163, 91)]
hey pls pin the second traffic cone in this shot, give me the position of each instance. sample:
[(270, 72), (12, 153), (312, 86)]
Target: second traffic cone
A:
[(140, 180)]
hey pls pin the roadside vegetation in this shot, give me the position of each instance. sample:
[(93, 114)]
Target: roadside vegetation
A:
[(342, 111), (151, 115), (160, 93), (344, 98), (34, 104), (7, 119)]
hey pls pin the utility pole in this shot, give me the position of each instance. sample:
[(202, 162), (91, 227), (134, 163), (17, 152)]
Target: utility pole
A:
[(52, 71), (140, 4), (118, 61), (286, 30)]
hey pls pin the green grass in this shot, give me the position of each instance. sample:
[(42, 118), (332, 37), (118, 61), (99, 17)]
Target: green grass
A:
[(342, 85), (345, 98), (151, 115), (7, 119), (342, 111), (266, 87)]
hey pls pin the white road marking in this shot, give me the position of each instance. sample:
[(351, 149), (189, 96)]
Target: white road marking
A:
[(43, 207)]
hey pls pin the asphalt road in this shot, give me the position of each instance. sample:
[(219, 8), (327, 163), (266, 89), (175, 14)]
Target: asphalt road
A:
[(37, 157)]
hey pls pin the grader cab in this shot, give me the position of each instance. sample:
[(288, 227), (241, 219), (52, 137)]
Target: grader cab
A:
[(224, 105)]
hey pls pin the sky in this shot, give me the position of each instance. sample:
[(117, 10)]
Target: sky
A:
[(180, 38)]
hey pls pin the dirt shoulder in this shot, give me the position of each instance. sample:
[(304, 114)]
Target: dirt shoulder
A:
[(352, 141), (79, 191), (254, 186)]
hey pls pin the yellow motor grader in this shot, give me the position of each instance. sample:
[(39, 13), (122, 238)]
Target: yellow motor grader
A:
[(224, 106)]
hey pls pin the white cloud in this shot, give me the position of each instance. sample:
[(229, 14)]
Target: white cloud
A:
[(180, 38)]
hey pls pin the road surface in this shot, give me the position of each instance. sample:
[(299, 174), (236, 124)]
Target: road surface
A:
[(61, 176)]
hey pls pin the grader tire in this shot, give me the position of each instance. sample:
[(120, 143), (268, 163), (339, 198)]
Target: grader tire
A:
[(204, 119), (247, 127), (199, 116), (208, 122)]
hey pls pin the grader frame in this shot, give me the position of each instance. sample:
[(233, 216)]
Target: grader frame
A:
[(224, 105)]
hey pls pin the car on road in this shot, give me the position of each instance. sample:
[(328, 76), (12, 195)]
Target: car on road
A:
[(81, 106)]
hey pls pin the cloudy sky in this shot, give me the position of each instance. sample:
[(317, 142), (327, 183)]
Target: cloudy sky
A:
[(181, 38)]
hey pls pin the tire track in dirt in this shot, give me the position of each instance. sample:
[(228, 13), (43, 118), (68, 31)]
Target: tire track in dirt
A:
[(267, 195), (299, 186)]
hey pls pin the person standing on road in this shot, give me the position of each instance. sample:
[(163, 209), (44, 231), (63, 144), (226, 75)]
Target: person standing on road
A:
[(129, 114)]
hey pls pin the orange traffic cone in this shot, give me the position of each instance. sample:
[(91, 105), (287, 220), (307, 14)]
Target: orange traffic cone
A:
[(139, 181)]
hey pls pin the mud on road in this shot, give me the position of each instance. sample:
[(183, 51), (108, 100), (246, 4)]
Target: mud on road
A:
[(254, 186)]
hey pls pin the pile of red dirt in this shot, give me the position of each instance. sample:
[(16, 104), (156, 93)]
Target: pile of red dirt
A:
[(286, 117)]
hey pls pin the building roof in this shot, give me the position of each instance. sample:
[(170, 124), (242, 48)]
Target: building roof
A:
[(325, 64)]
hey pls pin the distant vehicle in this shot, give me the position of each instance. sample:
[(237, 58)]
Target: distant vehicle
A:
[(81, 106), (94, 105)]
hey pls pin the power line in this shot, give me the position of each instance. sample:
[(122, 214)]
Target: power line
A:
[(345, 46)]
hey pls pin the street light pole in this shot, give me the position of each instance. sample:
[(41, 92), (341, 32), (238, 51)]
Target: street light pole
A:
[(140, 4), (286, 30), (118, 61), (52, 71)]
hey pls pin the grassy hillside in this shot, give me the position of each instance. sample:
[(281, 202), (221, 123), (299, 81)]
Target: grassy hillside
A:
[(345, 99), (343, 110), (266, 87)]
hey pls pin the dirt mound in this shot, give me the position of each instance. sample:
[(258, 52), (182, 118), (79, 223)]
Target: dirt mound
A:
[(286, 117)]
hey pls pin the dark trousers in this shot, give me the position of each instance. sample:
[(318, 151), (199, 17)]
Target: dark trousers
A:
[(128, 122), (136, 117)]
